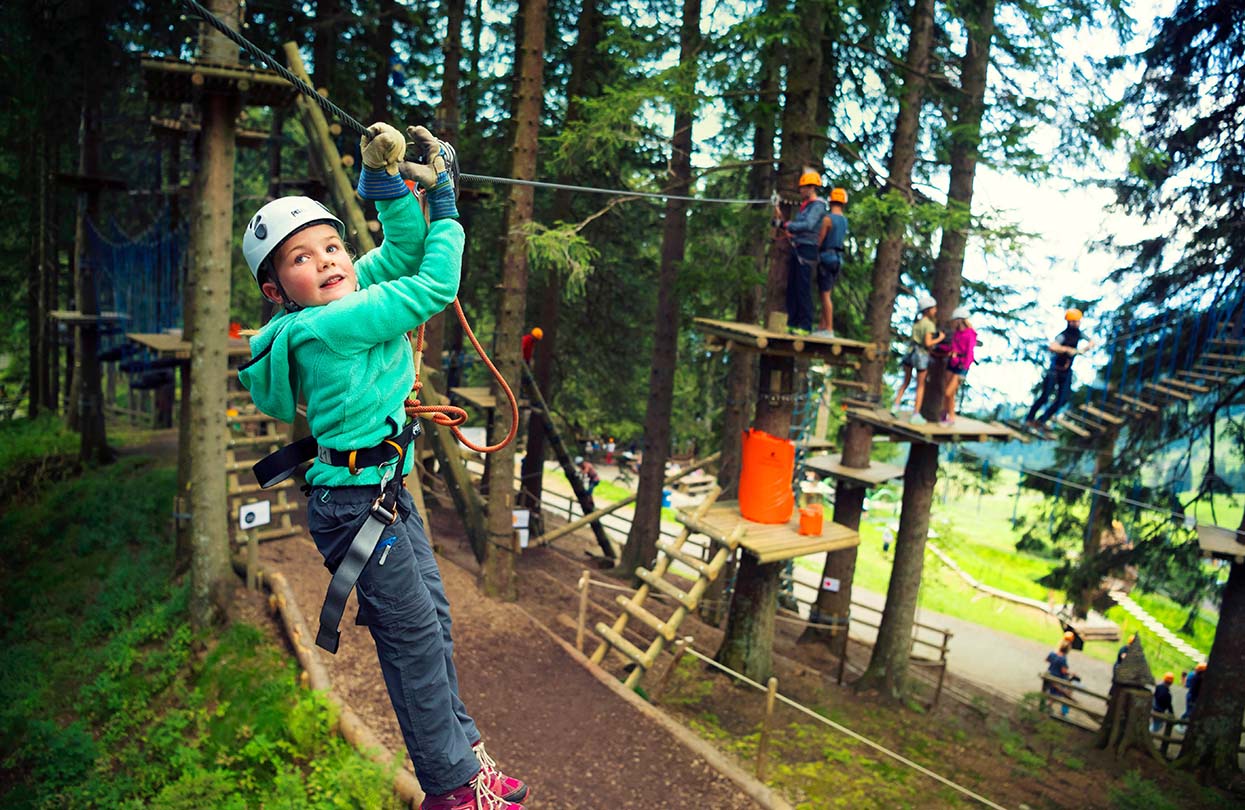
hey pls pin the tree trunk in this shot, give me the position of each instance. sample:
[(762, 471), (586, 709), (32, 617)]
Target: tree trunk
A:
[(1127, 723), (93, 448), (641, 548), (499, 577), (382, 47), (36, 301), (212, 241), (578, 85), (748, 644), (324, 50), (834, 603), (741, 376), (1101, 514), (1210, 747), (888, 667)]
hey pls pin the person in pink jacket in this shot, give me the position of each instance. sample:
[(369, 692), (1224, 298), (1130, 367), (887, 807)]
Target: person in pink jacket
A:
[(963, 342)]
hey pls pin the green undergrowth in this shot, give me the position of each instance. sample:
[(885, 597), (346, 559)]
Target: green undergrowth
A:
[(34, 453), (110, 700)]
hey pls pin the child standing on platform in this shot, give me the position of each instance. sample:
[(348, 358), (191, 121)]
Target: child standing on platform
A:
[(963, 345), (803, 230), (925, 335), (831, 239), (341, 343)]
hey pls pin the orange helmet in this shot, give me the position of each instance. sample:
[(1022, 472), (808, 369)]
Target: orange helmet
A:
[(1201, 667), (810, 179), (1168, 677), (838, 195), (1073, 315), (1069, 636), (537, 332)]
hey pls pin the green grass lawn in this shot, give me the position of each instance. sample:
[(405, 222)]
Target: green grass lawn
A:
[(110, 699)]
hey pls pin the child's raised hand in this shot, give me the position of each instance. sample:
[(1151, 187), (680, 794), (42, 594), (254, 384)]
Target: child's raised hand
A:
[(383, 148)]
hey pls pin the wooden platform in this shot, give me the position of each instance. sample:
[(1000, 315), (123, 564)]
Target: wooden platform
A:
[(832, 466), (964, 429), (1216, 541), (181, 81), (730, 335), (72, 317), (773, 542), (176, 347)]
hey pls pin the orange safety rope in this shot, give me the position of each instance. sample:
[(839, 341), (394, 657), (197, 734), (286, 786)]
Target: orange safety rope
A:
[(452, 416)]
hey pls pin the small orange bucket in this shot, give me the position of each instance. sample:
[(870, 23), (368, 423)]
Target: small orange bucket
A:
[(811, 519)]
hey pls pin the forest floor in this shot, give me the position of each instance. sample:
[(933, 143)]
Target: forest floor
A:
[(580, 746)]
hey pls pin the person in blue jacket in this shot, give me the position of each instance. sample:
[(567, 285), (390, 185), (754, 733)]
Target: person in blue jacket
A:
[(804, 230)]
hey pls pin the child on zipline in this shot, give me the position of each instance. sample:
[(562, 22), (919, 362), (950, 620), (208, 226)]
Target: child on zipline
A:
[(1058, 379), (963, 345), (340, 343), (925, 335)]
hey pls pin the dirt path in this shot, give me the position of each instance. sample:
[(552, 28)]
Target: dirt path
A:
[(544, 717)]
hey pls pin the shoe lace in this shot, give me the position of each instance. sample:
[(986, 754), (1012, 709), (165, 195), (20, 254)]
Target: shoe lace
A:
[(487, 763), (486, 799)]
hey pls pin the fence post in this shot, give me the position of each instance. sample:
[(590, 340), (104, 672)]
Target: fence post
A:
[(583, 611), (763, 745), (1168, 727)]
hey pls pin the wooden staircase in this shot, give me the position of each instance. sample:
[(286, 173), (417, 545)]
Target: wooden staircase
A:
[(653, 579)]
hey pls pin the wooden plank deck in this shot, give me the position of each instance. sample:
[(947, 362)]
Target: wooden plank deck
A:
[(965, 429), (1216, 541), (727, 335), (72, 317), (832, 466), (778, 541), (176, 347)]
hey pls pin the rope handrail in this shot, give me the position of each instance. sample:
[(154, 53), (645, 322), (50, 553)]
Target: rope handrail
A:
[(842, 729)]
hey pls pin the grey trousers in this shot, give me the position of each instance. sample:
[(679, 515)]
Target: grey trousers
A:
[(402, 602)]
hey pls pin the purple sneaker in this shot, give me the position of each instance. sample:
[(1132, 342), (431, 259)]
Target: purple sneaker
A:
[(507, 787), (475, 795)]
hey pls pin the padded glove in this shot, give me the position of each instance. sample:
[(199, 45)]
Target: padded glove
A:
[(383, 148), (430, 163)]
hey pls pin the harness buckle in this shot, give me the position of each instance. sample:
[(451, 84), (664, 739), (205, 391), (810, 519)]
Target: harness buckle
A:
[(383, 512), (324, 454)]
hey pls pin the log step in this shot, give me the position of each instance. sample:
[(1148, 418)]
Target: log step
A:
[(1101, 415), (644, 616), (621, 644), (254, 441), (1171, 392), (1226, 358), (1069, 425), (1198, 375), (695, 563), (1185, 384), (669, 589), (1139, 403)]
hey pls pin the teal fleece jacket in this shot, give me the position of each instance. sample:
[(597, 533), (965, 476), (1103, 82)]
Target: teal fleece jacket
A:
[(350, 359)]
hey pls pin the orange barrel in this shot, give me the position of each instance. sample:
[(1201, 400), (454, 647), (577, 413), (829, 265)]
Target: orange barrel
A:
[(765, 478), (811, 518)]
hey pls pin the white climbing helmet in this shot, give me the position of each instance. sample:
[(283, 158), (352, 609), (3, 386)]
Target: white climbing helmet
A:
[(960, 312), (278, 221), (925, 302)]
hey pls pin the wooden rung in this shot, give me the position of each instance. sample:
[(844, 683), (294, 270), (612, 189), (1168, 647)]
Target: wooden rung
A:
[(668, 588), (639, 612), (1139, 403), (621, 644), (1171, 392), (700, 527), (1225, 358), (1198, 375), (695, 563), (251, 489), (276, 533), (1085, 421), (251, 418), (240, 394), (1102, 415), (856, 384), (255, 441), (1184, 384), (1071, 426), (1227, 342)]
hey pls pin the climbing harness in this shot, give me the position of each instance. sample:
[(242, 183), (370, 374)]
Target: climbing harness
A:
[(389, 455)]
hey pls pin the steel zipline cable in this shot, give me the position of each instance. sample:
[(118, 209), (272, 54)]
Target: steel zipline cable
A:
[(353, 123)]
